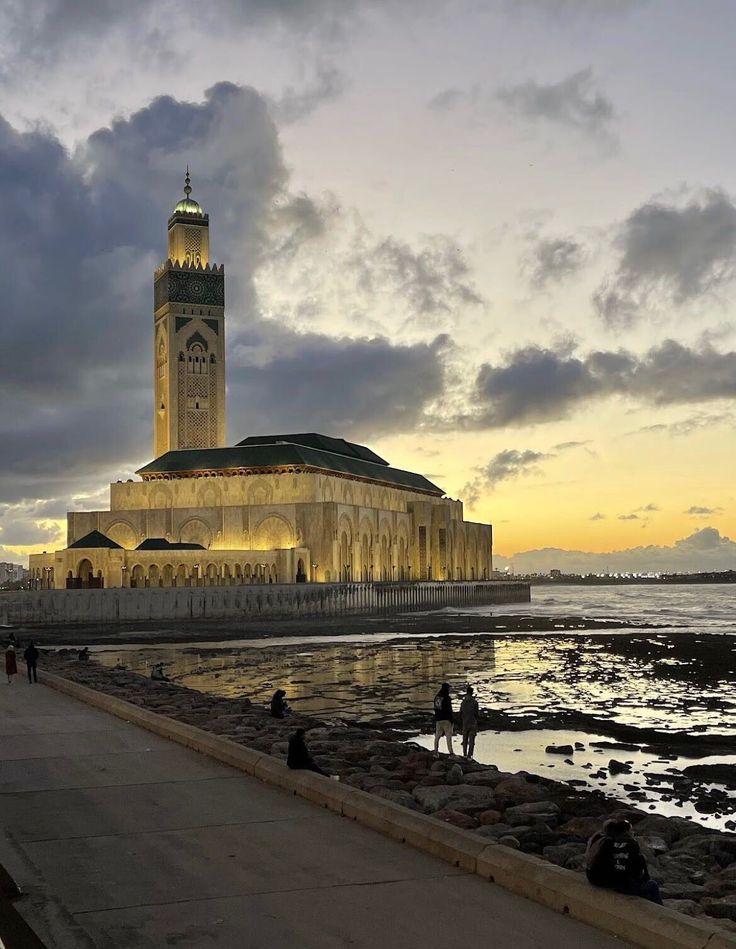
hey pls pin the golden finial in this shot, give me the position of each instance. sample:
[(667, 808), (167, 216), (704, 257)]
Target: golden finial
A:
[(187, 183)]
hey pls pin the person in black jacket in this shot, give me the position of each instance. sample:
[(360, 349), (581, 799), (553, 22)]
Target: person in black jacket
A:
[(443, 717), (279, 705), (31, 657), (298, 756), (614, 860)]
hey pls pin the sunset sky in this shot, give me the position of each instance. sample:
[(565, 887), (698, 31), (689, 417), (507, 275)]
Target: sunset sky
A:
[(493, 239)]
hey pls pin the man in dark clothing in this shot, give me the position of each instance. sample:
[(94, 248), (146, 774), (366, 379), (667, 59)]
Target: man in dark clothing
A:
[(469, 720), (614, 860), (298, 757), (443, 717), (31, 657), (279, 705)]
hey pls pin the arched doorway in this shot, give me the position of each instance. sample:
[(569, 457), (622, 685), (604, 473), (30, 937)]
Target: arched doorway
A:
[(301, 576), (137, 576), (85, 573), (154, 575), (167, 575), (211, 575)]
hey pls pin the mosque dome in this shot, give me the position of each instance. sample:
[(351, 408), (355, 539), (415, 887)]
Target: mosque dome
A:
[(188, 205)]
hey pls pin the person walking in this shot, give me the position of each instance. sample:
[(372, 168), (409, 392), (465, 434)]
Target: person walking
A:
[(298, 757), (443, 718), (11, 664), (613, 859), (469, 721), (31, 657)]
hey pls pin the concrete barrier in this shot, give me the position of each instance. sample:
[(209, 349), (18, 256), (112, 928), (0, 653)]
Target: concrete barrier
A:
[(635, 920)]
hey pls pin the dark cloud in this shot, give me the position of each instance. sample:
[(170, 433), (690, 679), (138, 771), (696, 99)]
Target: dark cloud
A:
[(597, 517), (628, 517), (552, 259), (293, 104), (507, 465), (670, 254), (686, 426), (540, 385), (81, 237), (703, 550), (448, 99), (55, 25), (574, 102), (698, 510)]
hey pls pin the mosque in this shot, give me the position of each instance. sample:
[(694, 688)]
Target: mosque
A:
[(288, 508)]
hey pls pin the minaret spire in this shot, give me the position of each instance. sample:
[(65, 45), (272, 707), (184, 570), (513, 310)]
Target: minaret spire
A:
[(187, 183)]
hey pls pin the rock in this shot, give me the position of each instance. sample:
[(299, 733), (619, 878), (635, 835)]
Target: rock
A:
[(398, 797), (510, 842), (561, 854), (435, 798), (456, 818), (618, 767), (723, 908), (517, 790), (489, 817), (654, 845), (559, 749), (540, 812), (455, 775), (494, 831), (579, 746), (582, 827), (680, 891), (489, 778), (712, 773), (687, 907)]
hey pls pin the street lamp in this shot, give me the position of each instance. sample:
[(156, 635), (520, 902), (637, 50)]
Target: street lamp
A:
[(195, 574), (314, 572), (263, 572), (123, 568)]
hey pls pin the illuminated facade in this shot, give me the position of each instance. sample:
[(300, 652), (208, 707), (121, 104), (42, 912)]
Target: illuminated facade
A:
[(274, 508)]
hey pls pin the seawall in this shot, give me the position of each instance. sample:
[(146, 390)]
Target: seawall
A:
[(263, 601)]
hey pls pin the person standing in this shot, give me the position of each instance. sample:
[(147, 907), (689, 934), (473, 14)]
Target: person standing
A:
[(469, 720), (11, 664), (31, 657), (443, 718)]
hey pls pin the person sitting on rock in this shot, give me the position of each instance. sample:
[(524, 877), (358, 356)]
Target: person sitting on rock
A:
[(279, 705), (83, 654), (443, 717), (614, 860), (158, 674), (298, 757), (469, 720)]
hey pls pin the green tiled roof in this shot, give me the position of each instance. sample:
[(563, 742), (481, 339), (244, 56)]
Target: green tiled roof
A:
[(282, 454), (95, 539)]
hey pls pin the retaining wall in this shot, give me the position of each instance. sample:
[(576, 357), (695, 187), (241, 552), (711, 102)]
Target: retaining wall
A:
[(278, 600)]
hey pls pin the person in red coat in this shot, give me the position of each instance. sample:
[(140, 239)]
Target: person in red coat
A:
[(11, 666)]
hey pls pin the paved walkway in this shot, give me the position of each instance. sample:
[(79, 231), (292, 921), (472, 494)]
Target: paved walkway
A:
[(123, 839)]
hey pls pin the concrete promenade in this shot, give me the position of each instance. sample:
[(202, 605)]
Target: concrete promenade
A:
[(123, 839)]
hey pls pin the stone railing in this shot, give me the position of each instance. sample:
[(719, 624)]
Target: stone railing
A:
[(276, 600)]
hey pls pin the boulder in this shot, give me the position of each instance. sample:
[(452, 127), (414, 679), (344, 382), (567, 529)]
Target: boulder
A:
[(680, 891), (398, 797), (510, 842), (562, 854), (490, 778), (456, 818), (536, 812), (722, 908), (618, 767), (489, 817), (455, 775), (517, 790), (435, 798), (559, 749), (687, 907)]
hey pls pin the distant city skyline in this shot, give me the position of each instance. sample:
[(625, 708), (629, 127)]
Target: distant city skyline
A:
[(505, 232)]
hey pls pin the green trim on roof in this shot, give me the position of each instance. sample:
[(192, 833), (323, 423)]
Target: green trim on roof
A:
[(273, 456)]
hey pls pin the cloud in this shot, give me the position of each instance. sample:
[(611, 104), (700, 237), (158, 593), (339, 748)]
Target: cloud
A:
[(448, 99), (507, 465), (575, 8), (670, 254), (704, 550), (536, 384), (553, 259), (573, 102), (81, 236), (293, 104), (628, 517), (597, 517), (697, 510), (649, 508), (693, 423)]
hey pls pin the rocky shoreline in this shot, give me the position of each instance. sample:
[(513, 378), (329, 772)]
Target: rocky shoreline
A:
[(695, 867)]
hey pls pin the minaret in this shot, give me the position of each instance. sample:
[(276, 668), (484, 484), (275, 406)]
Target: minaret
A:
[(189, 336)]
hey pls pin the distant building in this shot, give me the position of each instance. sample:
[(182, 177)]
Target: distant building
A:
[(12, 573), (272, 508)]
